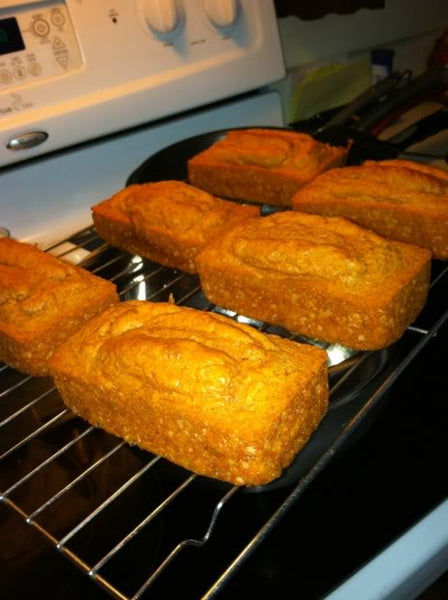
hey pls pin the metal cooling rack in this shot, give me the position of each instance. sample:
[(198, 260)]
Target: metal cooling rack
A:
[(70, 481)]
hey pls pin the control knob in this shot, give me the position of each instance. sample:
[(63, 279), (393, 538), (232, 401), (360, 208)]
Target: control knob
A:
[(162, 16), (222, 13)]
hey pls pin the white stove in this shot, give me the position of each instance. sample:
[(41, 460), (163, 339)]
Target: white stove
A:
[(89, 89), (144, 73)]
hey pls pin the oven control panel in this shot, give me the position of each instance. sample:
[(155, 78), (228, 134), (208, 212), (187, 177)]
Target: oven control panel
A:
[(36, 43), (75, 70)]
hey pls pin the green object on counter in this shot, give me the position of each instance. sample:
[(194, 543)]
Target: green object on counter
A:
[(308, 92)]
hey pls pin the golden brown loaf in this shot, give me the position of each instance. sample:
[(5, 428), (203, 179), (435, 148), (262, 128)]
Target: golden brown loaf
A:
[(43, 300), (262, 165), (166, 221), (208, 393), (399, 199), (325, 278)]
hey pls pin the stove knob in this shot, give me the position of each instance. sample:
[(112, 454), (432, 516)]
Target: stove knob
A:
[(222, 13), (162, 16)]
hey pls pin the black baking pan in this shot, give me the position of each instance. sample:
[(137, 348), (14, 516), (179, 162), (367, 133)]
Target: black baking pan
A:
[(171, 162), (357, 375), (357, 124), (371, 370)]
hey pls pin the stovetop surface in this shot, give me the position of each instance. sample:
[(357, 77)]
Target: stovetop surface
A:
[(384, 478), (363, 500), (387, 476)]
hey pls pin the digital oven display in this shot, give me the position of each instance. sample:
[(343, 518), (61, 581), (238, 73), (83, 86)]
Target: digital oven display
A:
[(10, 37)]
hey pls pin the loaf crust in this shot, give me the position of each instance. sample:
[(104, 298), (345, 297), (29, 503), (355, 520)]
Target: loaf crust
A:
[(266, 166), (325, 278), (210, 394), (43, 300), (399, 199), (167, 221)]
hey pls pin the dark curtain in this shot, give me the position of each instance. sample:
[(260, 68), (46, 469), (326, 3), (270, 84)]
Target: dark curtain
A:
[(316, 9)]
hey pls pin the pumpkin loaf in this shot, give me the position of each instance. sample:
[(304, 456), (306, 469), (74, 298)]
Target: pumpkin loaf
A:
[(266, 166), (166, 221), (399, 199), (43, 300), (321, 277), (207, 393)]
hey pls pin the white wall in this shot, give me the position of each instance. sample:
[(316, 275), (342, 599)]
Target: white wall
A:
[(334, 35), (409, 27)]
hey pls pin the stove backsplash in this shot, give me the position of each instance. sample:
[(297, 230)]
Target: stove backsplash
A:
[(329, 60)]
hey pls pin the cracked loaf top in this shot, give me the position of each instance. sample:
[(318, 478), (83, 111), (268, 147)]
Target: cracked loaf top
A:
[(208, 393), (326, 251)]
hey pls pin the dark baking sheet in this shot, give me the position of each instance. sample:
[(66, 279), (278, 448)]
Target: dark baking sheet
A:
[(171, 162), (363, 372)]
